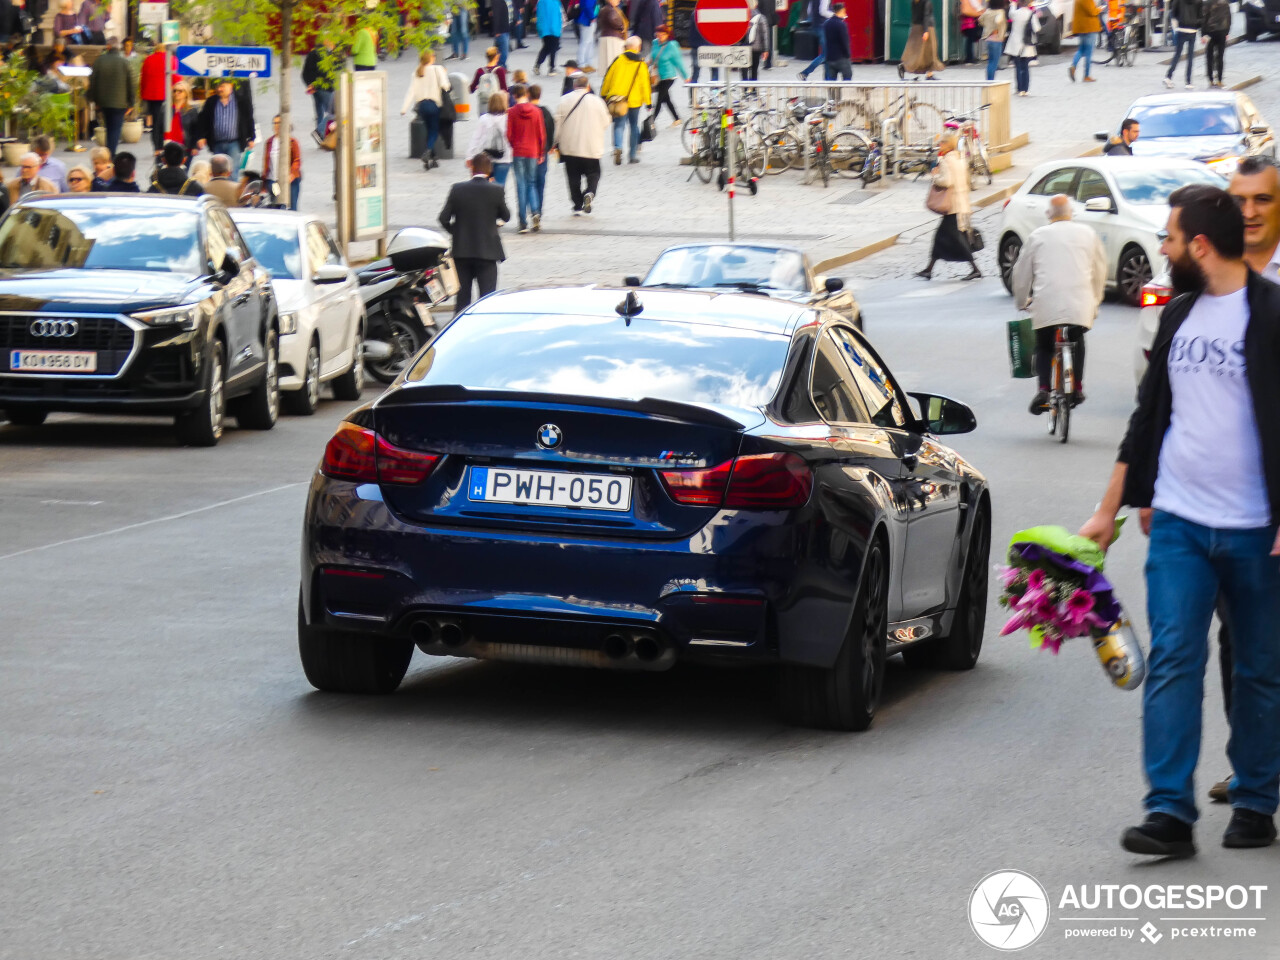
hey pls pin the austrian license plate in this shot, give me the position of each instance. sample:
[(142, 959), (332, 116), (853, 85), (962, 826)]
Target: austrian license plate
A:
[(546, 488), (53, 361)]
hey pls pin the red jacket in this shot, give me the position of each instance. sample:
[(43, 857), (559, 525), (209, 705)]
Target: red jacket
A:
[(152, 76), (526, 131)]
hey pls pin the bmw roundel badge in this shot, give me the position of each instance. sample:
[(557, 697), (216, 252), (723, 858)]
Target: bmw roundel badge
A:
[(549, 436)]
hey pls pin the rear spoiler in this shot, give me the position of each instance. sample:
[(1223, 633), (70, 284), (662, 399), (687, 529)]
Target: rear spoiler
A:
[(413, 394)]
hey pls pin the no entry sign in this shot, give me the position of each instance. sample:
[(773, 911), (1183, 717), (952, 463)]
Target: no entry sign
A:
[(722, 22)]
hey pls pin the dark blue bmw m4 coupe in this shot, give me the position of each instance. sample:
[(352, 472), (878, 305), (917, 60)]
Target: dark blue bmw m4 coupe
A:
[(627, 479)]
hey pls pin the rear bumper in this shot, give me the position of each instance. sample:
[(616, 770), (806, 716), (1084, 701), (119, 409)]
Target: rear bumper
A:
[(733, 591)]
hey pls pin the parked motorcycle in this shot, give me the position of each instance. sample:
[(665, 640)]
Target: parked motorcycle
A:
[(399, 292)]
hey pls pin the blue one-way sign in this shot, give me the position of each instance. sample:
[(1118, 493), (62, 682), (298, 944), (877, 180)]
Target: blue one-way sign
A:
[(224, 61)]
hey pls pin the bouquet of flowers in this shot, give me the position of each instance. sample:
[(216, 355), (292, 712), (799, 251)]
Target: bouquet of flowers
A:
[(1056, 590)]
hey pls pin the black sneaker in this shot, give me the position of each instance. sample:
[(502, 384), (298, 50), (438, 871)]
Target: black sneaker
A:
[(1248, 828), (1077, 396), (1160, 835), (1040, 402)]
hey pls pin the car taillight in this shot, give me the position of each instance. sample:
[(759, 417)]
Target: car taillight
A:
[(1006, 202), (357, 453), (761, 481), (1156, 295)]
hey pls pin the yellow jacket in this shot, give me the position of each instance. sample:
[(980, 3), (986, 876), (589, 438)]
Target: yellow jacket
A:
[(1084, 18), (628, 76)]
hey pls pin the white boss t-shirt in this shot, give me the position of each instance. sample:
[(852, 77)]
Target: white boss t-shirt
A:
[(1211, 461)]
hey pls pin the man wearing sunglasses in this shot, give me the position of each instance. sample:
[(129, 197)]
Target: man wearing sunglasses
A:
[(1201, 462)]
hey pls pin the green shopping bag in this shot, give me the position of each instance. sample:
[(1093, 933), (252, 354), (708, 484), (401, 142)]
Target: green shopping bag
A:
[(1022, 349)]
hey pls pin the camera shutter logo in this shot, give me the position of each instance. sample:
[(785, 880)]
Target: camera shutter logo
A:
[(54, 328), (1008, 910)]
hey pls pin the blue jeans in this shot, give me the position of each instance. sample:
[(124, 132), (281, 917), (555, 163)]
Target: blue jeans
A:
[(324, 109), (1085, 51), (542, 183), (295, 188), (232, 149), (528, 199), (1022, 73), (632, 120), (995, 50), (429, 113), (460, 33), (503, 42), (1188, 565), (500, 171), (1181, 40), (113, 121), (818, 60)]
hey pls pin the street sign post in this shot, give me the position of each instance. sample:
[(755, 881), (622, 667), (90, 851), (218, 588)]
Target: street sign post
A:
[(206, 61), (722, 22), (728, 58)]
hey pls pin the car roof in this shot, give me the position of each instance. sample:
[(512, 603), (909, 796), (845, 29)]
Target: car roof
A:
[(1110, 163), (1183, 99), (741, 311), (131, 200), (744, 244), (259, 215)]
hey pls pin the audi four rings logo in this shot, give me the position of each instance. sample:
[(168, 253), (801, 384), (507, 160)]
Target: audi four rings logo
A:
[(54, 328)]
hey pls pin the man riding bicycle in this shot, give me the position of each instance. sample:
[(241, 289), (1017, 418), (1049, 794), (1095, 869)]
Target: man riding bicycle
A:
[(1060, 276)]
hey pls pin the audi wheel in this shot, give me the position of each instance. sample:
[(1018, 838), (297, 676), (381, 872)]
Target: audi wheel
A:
[(202, 427)]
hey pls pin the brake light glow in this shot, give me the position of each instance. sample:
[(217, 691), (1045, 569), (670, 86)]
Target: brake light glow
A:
[(1156, 295), (761, 481), (358, 454)]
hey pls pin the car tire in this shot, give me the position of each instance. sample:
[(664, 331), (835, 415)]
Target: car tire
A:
[(845, 696), (306, 399), (1010, 249), (350, 385), (337, 662), (24, 417), (1132, 274), (959, 650), (203, 426), (261, 409)]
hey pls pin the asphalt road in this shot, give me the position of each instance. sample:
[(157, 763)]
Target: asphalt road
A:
[(173, 788)]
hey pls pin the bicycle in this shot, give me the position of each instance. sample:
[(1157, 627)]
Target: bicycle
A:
[(1124, 38), (970, 146), (1063, 385), (711, 153)]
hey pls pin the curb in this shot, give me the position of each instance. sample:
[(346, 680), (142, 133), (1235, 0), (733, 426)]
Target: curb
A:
[(1245, 84)]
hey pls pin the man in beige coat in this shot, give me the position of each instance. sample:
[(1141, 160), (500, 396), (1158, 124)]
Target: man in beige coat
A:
[(1060, 276), (582, 121)]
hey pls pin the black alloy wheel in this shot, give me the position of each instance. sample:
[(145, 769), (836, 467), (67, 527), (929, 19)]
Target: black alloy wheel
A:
[(202, 427), (305, 400), (350, 385), (337, 662), (846, 695), (261, 408), (1132, 274), (1010, 248), (959, 650)]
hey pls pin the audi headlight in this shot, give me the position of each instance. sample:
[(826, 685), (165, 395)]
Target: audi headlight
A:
[(187, 316), (1225, 166), (288, 322)]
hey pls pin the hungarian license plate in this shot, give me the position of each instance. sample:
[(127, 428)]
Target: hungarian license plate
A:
[(547, 488), (53, 361)]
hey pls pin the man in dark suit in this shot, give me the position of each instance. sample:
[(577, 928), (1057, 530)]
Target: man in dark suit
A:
[(471, 216)]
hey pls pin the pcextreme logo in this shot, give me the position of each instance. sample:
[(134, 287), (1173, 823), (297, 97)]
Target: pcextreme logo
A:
[(1009, 910)]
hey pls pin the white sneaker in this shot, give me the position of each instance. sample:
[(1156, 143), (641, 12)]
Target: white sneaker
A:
[(1191, 86), (1168, 84)]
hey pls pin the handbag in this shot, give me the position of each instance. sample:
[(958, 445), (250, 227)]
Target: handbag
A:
[(647, 131), (976, 242), (447, 107), (938, 199), (1022, 348), (620, 106)]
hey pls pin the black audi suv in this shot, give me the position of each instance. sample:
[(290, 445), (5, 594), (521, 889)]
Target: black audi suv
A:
[(135, 304)]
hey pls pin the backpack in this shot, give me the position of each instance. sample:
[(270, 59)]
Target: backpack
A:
[(1218, 17), (487, 87), (1029, 35)]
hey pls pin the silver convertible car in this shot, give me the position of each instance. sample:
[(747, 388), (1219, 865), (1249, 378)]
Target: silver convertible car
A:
[(782, 273)]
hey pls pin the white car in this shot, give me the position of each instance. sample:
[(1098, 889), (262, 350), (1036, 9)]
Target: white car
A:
[(322, 315), (1125, 199), (1154, 296)]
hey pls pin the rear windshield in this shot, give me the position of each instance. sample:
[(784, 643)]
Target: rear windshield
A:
[(1154, 186), (275, 247), (603, 357), (1187, 120), (726, 266), (109, 237)]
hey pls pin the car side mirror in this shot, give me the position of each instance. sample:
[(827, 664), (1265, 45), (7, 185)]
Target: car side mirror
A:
[(942, 415), (330, 273), (1260, 129), (1102, 136), (631, 281), (230, 268), (834, 284), (1100, 205)]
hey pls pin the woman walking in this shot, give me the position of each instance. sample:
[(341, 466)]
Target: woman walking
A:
[(490, 137), (971, 28), (669, 62), (951, 241), (995, 27), (489, 79), (921, 53), (611, 26), (182, 126), (1086, 21), (1020, 42), (550, 26), (426, 95)]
